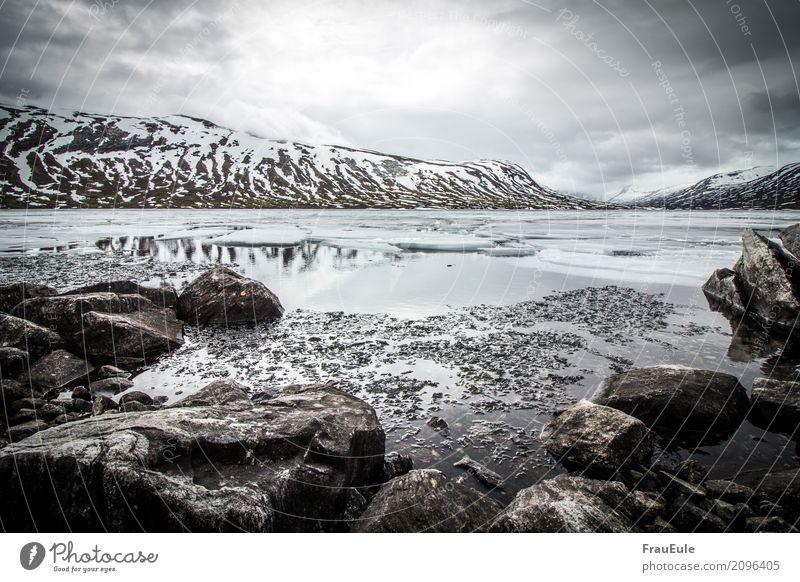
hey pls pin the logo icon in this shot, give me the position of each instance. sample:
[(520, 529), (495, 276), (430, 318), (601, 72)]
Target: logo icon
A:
[(31, 555)]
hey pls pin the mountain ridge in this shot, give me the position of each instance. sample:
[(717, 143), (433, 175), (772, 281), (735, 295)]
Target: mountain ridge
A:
[(74, 159), (751, 188)]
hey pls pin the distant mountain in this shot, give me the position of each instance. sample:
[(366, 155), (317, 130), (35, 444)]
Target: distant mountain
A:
[(757, 188), (80, 160)]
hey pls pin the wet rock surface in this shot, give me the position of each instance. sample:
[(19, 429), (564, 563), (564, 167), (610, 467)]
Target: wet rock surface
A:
[(283, 464), (130, 338), (679, 403), (163, 296), (29, 337), (763, 283), (222, 296), (58, 369), (568, 504), (14, 293), (722, 291), (776, 405), (426, 501), (597, 439)]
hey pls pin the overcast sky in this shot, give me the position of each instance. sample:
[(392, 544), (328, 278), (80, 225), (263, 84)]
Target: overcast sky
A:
[(588, 96)]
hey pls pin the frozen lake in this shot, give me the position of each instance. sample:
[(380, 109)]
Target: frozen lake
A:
[(488, 320), (409, 263)]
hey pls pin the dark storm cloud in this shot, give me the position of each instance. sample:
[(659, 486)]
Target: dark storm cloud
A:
[(588, 96)]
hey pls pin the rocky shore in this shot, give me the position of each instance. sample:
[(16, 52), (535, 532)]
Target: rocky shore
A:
[(81, 451)]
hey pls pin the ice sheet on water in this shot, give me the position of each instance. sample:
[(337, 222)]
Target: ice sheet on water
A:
[(263, 236), (442, 242)]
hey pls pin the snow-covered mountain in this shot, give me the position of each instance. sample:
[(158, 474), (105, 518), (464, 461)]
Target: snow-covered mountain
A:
[(81, 160), (762, 187)]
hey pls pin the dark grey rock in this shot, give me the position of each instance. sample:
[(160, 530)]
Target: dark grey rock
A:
[(81, 393), (23, 431), (135, 406), (597, 439), (221, 296), (22, 416), (781, 488), (767, 288), (776, 405), (136, 396), (728, 491), (11, 390), (723, 293), (730, 512), (31, 403), (12, 361), (677, 402), (659, 525), (103, 404), (220, 392), (59, 369), (790, 237), (771, 524), (397, 465), (284, 465), (113, 385), (130, 338), (27, 336), (426, 501), (79, 405), (439, 425), (50, 411), (13, 294), (483, 474), (164, 296), (65, 313), (646, 505), (682, 487), (109, 371), (570, 504), (687, 517)]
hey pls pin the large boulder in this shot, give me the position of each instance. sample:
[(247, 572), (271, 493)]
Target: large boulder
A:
[(15, 293), (686, 404), (570, 504), (26, 336), (57, 370), (129, 338), (11, 390), (776, 405), (767, 288), (221, 296), (65, 313), (164, 296), (790, 237), (723, 293), (597, 439), (291, 463), (12, 361), (427, 501)]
